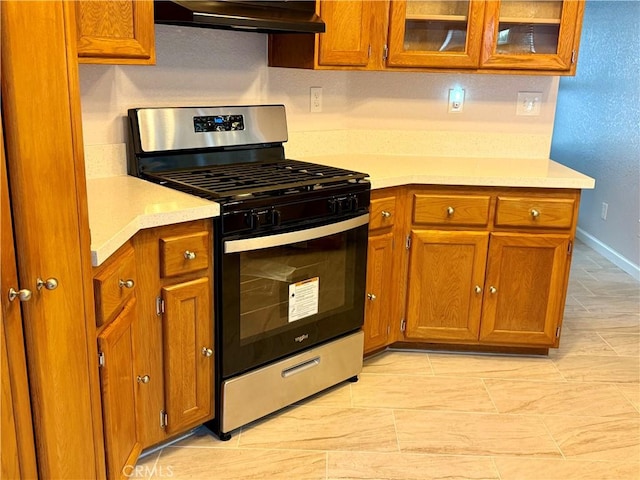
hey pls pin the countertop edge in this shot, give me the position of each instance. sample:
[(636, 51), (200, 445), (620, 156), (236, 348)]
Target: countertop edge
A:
[(138, 205)]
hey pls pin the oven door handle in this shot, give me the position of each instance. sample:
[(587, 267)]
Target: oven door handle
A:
[(279, 239)]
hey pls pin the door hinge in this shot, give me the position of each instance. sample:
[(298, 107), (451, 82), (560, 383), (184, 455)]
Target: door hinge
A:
[(385, 53), (403, 325), (369, 51), (573, 56), (159, 306), (100, 359), (164, 419), (569, 247), (407, 243), (558, 332)]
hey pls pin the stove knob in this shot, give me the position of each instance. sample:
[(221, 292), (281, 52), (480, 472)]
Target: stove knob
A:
[(276, 217), (335, 205)]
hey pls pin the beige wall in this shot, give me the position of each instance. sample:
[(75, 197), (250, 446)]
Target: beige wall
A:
[(362, 111)]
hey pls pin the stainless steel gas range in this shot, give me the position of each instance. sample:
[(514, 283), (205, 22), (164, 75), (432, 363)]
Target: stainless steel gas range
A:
[(290, 252)]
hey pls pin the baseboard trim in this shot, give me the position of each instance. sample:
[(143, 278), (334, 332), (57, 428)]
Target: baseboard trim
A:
[(609, 253)]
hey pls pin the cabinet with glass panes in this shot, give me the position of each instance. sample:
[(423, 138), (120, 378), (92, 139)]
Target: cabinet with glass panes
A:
[(501, 35)]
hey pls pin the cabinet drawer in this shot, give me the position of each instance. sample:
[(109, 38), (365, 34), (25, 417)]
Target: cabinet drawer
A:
[(382, 212), (184, 253), (451, 209), (113, 285), (534, 212)]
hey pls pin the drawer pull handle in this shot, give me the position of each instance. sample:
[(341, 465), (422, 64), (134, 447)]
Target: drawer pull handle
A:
[(478, 289), (189, 255), (371, 296), (126, 283), (492, 290), (207, 352), (450, 211), (385, 214), (143, 379), (534, 213)]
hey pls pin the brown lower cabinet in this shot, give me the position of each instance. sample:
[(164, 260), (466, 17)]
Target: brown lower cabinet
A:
[(481, 268), (155, 339)]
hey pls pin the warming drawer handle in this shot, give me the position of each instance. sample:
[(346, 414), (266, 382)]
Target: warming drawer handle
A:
[(301, 367)]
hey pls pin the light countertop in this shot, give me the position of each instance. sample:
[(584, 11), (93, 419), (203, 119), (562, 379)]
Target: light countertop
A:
[(393, 170), (120, 206)]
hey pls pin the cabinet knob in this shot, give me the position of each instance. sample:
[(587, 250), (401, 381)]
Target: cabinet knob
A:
[(478, 289), (450, 211), (143, 379), (371, 296), (492, 290), (534, 213), (207, 352), (49, 283), (385, 214), (126, 283), (24, 295), (189, 255)]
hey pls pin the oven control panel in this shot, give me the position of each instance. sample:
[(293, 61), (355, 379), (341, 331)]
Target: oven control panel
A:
[(218, 123)]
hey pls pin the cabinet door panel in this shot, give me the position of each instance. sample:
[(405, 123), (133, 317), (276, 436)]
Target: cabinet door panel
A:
[(540, 35), (187, 330), (119, 393), (439, 34), (525, 289), (119, 31), (347, 39), (380, 292), (444, 270)]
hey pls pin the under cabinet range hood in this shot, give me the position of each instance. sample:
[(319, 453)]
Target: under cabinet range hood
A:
[(270, 16)]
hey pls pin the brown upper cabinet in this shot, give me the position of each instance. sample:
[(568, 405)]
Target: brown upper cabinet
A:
[(115, 32), (532, 37)]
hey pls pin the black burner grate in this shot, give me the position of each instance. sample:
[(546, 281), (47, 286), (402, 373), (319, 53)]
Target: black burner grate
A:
[(268, 178)]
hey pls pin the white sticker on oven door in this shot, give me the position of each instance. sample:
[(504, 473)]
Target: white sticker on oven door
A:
[(303, 298)]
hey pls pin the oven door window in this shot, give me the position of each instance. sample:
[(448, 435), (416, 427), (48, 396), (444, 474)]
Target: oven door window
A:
[(288, 297)]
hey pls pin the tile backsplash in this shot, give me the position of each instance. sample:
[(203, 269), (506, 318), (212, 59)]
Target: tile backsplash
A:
[(363, 112)]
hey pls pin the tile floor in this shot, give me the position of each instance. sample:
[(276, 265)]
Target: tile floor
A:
[(423, 415)]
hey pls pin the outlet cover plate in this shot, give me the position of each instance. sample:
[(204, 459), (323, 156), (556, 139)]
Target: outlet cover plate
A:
[(529, 103)]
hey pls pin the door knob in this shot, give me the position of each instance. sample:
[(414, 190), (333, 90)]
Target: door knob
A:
[(385, 214), (49, 283), (371, 296), (492, 289), (535, 213), (143, 379), (189, 255), (450, 211), (24, 295), (478, 289)]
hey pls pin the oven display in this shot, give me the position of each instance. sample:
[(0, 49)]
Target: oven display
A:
[(218, 123)]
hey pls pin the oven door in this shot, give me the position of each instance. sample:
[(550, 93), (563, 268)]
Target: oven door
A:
[(285, 292)]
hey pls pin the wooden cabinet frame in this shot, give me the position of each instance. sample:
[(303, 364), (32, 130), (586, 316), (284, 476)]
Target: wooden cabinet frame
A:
[(488, 316), (385, 35)]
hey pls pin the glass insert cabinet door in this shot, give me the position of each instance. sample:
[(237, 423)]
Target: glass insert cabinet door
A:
[(525, 34), (491, 34), (435, 33)]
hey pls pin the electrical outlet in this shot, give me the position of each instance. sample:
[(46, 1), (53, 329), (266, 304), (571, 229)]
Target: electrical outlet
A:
[(604, 211), (529, 103), (456, 100), (315, 99)]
